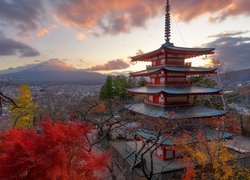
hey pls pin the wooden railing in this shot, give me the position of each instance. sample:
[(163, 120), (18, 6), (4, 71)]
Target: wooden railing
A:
[(187, 64), (164, 104), (170, 83)]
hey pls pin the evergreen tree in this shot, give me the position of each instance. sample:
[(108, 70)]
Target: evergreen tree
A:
[(114, 87), (120, 84), (202, 81), (107, 89)]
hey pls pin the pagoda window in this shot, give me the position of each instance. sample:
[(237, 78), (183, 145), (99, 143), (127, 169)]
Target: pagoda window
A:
[(162, 61), (153, 63), (161, 99), (159, 151), (152, 80), (162, 80), (150, 98), (169, 154)]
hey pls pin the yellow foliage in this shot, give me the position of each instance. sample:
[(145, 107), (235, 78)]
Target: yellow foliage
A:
[(23, 116), (212, 157)]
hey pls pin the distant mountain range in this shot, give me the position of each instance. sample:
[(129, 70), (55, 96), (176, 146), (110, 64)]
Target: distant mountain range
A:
[(53, 71), (236, 77)]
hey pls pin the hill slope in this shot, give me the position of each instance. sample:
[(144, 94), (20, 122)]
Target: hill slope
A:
[(236, 77)]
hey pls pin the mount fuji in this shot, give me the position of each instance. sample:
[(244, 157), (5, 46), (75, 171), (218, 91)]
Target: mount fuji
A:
[(53, 71)]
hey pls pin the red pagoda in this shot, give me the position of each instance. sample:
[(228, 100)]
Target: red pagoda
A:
[(169, 94)]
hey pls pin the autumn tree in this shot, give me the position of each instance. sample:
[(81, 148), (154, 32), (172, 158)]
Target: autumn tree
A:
[(23, 116), (59, 151), (107, 116), (211, 159)]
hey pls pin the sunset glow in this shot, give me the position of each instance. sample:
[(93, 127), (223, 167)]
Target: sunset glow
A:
[(86, 34)]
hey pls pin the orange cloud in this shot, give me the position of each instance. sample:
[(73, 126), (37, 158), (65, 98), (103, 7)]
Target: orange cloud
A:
[(216, 10), (80, 37), (110, 65), (116, 16), (42, 32), (112, 16)]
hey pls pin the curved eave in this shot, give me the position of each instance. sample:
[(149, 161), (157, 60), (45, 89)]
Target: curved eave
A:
[(170, 49), (146, 56), (204, 51), (181, 90), (188, 71), (177, 112)]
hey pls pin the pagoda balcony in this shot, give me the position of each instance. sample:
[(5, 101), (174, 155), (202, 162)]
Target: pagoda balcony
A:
[(165, 104), (161, 104), (188, 103), (187, 64), (169, 83)]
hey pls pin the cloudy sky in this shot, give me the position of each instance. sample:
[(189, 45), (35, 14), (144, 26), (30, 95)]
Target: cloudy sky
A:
[(102, 34)]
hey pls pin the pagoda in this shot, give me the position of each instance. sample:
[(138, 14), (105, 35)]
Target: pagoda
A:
[(169, 94)]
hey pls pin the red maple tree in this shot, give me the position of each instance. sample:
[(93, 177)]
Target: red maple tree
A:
[(60, 151)]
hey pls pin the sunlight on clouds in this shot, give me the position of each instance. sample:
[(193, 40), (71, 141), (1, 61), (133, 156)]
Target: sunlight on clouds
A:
[(42, 32), (80, 37)]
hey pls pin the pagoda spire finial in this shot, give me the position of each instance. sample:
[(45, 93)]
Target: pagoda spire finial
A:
[(167, 23)]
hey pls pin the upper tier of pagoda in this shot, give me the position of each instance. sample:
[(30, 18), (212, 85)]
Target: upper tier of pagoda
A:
[(170, 49), (179, 69)]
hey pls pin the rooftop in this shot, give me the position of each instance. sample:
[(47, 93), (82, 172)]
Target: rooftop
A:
[(174, 112), (211, 134), (189, 70), (171, 49), (160, 166), (174, 90)]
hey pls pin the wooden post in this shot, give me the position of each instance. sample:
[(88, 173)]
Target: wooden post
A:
[(163, 152)]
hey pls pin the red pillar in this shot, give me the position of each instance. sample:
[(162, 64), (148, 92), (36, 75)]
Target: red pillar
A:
[(163, 153)]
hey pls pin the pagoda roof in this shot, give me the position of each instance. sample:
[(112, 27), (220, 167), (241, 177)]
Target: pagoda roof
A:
[(169, 48), (184, 69), (174, 112), (211, 134), (174, 90)]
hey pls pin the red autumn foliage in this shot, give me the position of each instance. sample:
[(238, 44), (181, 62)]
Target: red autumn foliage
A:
[(60, 151)]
